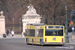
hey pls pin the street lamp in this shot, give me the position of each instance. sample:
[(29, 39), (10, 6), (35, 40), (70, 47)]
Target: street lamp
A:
[(20, 23), (54, 19), (67, 38)]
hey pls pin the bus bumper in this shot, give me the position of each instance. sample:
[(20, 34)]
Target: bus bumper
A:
[(51, 43)]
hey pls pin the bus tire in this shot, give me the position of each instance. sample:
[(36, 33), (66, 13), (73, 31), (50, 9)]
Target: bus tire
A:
[(62, 44), (41, 43), (26, 41), (32, 41)]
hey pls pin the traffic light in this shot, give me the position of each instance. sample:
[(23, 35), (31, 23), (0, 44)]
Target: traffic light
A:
[(71, 23)]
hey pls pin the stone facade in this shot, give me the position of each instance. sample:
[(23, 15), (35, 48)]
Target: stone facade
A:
[(2, 23), (30, 17)]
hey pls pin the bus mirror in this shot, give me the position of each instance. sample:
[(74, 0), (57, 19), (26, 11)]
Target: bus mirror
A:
[(24, 34)]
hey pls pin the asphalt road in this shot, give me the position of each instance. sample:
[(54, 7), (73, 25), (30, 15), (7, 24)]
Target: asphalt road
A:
[(18, 44)]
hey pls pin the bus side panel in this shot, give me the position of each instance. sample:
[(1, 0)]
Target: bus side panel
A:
[(64, 34)]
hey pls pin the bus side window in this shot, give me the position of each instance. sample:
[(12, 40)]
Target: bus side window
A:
[(28, 32), (32, 32)]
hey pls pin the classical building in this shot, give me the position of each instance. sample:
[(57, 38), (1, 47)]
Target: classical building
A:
[(30, 17), (2, 23)]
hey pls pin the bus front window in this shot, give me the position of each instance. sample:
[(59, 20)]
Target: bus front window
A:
[(53, 32)]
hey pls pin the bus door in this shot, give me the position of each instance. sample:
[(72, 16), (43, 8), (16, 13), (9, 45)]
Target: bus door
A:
[(35, 33), (38, 34)]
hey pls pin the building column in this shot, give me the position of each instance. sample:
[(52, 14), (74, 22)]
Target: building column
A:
[(2, 24)]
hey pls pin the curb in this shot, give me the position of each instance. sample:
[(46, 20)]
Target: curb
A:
[(73, 44), (16, 36), (11, 37)]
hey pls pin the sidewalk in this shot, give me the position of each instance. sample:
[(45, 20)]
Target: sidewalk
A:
[(15, 36), (71, 42)]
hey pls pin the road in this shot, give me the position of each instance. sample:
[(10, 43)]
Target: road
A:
[(18, 44)]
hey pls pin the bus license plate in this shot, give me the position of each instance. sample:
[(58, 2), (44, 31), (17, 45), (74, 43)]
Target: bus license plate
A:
[(54, 38)]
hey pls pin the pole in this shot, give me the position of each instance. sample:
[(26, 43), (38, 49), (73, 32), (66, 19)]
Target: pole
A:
[(13, 24), (20, 23), (67, 38), (73, 27), (54, 19), (35, 33)]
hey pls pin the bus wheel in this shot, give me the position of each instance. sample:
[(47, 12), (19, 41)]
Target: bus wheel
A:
[(41, 43), (26, 41), (32, 41)]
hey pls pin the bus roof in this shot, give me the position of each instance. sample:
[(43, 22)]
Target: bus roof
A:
[(36, 24)]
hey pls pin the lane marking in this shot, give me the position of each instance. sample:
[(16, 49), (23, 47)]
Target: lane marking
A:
[(70, 47)]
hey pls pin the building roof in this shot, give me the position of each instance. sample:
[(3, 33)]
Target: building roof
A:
[(31, 12)]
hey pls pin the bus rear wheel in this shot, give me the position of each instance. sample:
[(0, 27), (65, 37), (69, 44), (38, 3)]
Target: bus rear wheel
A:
[(41, 43), (32, 41)]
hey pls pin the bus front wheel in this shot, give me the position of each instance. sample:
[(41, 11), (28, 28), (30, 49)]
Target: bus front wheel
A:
[(26, 41)]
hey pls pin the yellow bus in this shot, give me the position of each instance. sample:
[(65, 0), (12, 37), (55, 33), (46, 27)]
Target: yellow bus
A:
[(44, 34)]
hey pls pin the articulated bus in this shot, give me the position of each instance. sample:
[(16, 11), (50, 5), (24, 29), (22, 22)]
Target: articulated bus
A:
[(45, 34)]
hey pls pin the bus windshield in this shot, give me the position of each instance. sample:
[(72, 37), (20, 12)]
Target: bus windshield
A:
[(53, 32)]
